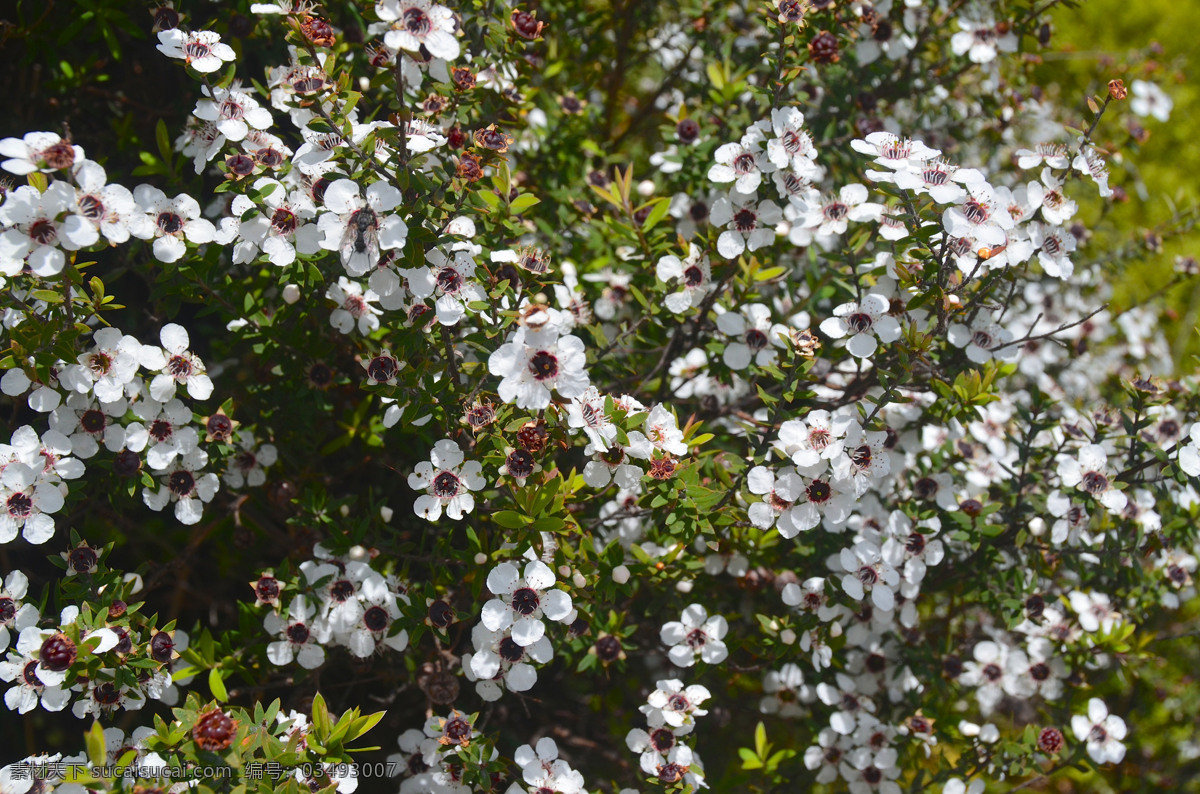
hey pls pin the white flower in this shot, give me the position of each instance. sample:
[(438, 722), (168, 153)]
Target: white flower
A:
[(175, 365), (1149, 100), (544, 771), (186, 487), (36, 233), (1090, 474), (286, 230), (695, 635), (379, 612), (233, 112), (792, 147), (979, 219), (522, 601), (246, 467), (827, 217), (26, 500), (867, 571), (779, 491), (674, 705), (354, 226), (936, 178), (894, 152), (865, 321), (1054, 248), (498, 658), (353, 307), (1094, 610), (15, 615), (107, 368), (1101, 731), (1054, 155), (201, 49), (756, 337), (38, 151), (694, 275), (448, 481), (981, 40), (417, 24), (783, 692), (743, 163), (165, 426), (1189, 455), (983, 340), (300, 636), (451, 278), (751, 223), (533, 362), (107, 207), (168, 222)]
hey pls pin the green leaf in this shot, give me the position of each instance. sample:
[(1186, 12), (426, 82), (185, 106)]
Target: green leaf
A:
[(661, 207), (510, 519), (96, 746), (320, 715), (363, 724), (523, 202), (217, 686)]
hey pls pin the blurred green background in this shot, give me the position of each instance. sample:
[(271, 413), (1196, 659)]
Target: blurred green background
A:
[(1153, 40)]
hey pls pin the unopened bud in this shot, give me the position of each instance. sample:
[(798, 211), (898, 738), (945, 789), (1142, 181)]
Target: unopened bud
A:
[(684, 586), (386, 513), (620, 574), (787, 637), (564, 571), (645, 188), (480, 558), (579, 580), (291, 293)]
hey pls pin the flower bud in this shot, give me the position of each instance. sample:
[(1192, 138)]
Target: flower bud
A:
[(385, 513), (645, 188), (787, 637), (480, 558), (620, 574), (291, 293), (579, 580)]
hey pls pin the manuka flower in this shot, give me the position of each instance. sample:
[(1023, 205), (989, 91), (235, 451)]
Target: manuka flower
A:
[(355, 225), (751, 223), (863, 322), (176, 364), (201, 49), (419, 24), (1101, 731), (696, 635), (448, 481), (533, 362), (168, 222), (522, 601)]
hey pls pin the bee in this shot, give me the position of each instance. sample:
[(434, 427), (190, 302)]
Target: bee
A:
[(988, 253), (360, 245)]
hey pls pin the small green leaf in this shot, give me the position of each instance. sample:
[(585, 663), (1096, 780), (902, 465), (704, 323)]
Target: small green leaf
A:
[(523, 202), (217, 685), (96, 746)]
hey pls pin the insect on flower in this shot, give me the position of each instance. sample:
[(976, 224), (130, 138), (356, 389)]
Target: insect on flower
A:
[(362, 236)]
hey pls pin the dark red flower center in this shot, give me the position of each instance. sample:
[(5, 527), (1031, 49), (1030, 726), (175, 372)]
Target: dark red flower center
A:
[(20, 505), (543, 365), (446, 485), (181, 483), (525, 601)]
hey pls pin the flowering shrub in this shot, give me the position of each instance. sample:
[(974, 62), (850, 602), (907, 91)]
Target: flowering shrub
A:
[(739, 383)]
